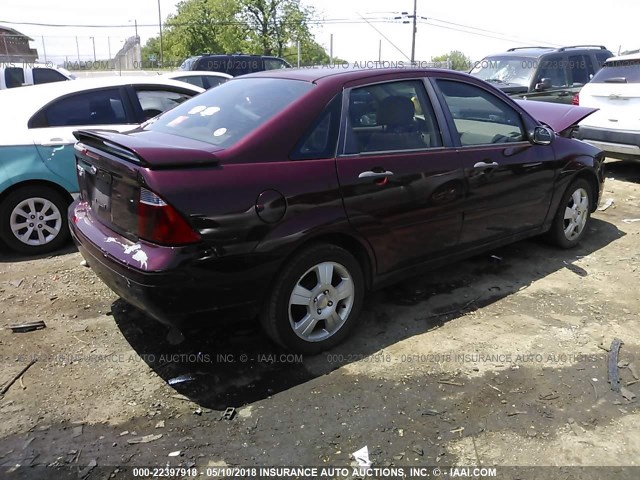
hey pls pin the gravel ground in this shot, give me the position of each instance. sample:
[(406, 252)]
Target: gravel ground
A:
[(500, 360)]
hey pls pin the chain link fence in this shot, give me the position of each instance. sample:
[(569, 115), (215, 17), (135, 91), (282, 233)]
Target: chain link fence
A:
[(86, 55)]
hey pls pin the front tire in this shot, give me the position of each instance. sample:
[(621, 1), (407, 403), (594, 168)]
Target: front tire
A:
[(316, 300), (573, 215), (33, 220)]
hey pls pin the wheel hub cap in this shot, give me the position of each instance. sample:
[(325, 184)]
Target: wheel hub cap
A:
[(35, 221), (321, 302)]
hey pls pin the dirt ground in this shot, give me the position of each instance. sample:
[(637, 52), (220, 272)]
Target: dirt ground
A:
[(500, 360)]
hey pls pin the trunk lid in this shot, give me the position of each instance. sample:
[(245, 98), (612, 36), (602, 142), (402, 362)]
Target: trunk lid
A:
[(111, 170), (151, 149), (619, 105)]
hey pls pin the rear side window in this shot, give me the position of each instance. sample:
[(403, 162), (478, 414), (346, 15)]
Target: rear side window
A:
[(390, 116), (13, 77), (224, 115), (581, 69), (619, 71), (210, 82), (321, 140), (47, 75), (274, 64), (553, 67), (98, 107)]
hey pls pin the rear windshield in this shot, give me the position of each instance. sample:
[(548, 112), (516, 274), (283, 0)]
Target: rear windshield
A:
[(619, 71), (224, 115)]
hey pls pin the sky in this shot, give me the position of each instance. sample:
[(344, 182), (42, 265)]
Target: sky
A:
[(475, 28)]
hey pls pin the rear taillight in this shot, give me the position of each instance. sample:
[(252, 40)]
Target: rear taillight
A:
[(576, 99), (160, 223)]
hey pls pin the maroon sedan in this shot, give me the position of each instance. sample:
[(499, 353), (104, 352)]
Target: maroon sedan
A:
[(290, 193)]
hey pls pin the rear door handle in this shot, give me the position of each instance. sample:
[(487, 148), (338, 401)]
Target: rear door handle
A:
[(485, 165), (54, 142), (375, 175)]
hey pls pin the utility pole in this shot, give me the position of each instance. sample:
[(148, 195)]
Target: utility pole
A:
[(44, 47), (415, 30), (93, 39), (160, 24)]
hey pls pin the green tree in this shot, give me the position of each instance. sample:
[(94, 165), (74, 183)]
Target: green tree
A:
[(266, 27), (204, 26), (458, 60), (275, 24), (149, 49)]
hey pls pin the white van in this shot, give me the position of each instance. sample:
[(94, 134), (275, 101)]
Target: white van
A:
[(17, 74)]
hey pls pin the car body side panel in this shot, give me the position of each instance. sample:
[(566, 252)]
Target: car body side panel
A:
[(22, 163), (55, 147)]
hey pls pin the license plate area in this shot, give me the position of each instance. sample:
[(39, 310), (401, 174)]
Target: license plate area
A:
[(100, 192)]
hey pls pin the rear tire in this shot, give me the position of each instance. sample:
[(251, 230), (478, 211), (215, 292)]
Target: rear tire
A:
[(316, 300), (572, 218), (33, 220)]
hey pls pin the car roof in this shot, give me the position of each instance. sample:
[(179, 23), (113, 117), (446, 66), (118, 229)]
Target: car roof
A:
[(537, 52), (196, 73), (630, 56), (345, 74), (23, 102)]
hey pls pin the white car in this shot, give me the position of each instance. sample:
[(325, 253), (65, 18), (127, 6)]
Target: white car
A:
[(615, 92), (37, 161), (204, 79), (18, 74)]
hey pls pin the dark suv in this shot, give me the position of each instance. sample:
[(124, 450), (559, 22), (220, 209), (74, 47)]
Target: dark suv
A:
[(542, 73), (235, 64)]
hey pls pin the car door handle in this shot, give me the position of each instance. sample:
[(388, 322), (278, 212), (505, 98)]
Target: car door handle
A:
[(375, 175), (486, 165), (53, 142)]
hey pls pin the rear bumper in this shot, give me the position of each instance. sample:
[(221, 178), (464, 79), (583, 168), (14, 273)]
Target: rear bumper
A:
[(184, 282), (622, 144)]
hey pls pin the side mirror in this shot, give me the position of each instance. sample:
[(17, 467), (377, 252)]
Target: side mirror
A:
[(542, 136), (544, 84)]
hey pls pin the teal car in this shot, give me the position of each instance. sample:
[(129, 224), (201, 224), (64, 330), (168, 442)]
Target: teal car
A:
[(37, 163)]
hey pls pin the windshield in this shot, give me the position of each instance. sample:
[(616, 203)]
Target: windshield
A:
[(516, 70), (224, 115), (619, 71)]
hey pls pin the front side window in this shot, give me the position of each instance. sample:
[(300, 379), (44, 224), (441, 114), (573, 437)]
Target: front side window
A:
[(480, 118), (13, 77), (224, 115), (98, 107), (47, 75), (154, 102), (391, 116)]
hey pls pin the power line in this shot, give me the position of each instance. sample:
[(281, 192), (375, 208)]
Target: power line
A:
[(487, 31), (503, 38)]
